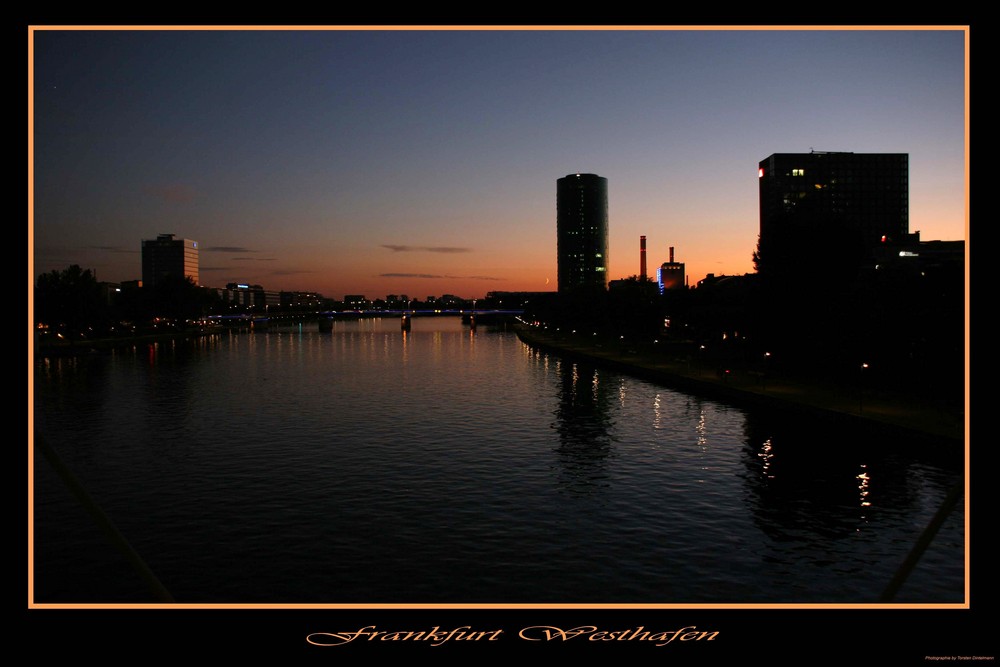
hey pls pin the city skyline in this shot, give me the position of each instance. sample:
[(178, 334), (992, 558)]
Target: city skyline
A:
[(423, 161)]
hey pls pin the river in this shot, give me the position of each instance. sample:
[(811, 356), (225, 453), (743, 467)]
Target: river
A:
[(444, 465)]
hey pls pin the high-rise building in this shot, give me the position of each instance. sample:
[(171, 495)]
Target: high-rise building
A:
[(582, 232), (820, 208), (165, 257)]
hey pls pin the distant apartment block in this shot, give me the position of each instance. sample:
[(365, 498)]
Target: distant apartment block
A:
[(301, 300), (167, 257), (253, 297), (356, 302), (396, 300)]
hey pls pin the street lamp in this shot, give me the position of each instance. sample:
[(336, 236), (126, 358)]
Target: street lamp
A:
[(763, 377), (861, 387)]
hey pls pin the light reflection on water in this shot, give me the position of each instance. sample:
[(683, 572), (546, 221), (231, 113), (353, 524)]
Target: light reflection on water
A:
[(443, 465)]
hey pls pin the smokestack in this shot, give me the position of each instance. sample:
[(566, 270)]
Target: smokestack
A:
[(671, 254), (642, 258)]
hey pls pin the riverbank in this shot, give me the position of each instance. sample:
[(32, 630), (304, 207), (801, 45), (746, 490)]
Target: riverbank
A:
[(65, 348), (896, 415)]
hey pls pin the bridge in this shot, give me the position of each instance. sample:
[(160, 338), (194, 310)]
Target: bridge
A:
[(479, 316)]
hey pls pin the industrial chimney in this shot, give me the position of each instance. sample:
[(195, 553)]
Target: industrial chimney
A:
[(642, 258), (671, 254)]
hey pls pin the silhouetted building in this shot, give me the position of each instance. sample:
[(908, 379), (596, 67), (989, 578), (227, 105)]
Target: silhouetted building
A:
[(356, 301), (165, 257), (927, 266), (514, 300), (922, 254), (822, 210), (110, 292), (301, 300), (248, 296), (582, 232), (670, 275), (396, 300)]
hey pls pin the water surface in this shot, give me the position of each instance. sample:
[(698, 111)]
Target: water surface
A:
[(444, 465)]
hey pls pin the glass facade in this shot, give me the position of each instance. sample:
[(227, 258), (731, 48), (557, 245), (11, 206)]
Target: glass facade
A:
[(582, 231)]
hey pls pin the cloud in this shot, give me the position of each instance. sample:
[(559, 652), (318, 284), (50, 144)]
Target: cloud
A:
[(431, 275), (421, 248), (176, 193), (226, 248), (111, 248), (289, 272), (254, 259), (408, 275)]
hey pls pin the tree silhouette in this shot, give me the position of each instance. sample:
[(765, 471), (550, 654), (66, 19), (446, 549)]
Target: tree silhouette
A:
[(70, 300)]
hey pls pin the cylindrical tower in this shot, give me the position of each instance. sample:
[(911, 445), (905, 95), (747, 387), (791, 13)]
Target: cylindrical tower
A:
[(582, 231)]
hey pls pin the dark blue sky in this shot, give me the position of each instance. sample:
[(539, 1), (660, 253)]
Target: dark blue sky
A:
[(424, 161)]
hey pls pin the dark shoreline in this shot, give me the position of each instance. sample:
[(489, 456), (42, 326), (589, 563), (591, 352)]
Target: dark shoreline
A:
[(99, 345), (895, 416)]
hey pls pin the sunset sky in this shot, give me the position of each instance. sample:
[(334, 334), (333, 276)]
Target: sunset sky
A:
[(425, 162)]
